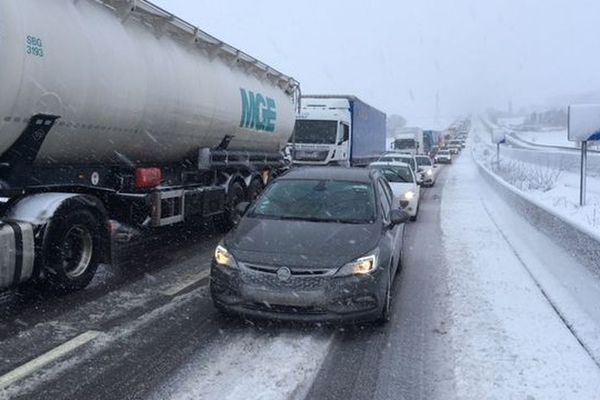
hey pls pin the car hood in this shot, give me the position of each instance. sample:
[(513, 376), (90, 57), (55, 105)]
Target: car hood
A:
[(399, 188), (301, 243)]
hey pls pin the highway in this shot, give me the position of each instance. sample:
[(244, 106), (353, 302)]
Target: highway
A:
[(147, 329)]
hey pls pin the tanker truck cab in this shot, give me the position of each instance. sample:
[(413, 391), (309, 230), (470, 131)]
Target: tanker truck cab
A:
[(322, 133)]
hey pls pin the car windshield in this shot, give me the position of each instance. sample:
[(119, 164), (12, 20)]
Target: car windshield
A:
[(423, 161), (395, 174), (317, 200)]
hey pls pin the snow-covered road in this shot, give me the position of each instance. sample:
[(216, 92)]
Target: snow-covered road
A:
[(507, 337), (486, 307)]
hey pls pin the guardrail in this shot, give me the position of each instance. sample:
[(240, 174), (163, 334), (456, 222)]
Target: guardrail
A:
[(581, 242)]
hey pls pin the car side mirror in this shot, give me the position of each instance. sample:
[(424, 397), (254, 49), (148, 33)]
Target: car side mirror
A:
[(399, 217), (242, 207)]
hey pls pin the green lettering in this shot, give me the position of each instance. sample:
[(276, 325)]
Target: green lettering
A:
[(270, 115), (258, 111)]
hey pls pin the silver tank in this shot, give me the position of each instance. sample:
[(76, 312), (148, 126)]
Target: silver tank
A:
[(137, 86)]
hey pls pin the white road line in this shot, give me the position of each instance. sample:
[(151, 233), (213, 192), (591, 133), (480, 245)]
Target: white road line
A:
[(45, 359), (193, 280)]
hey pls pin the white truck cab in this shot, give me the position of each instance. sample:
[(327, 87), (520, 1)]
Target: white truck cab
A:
[(322, 133)]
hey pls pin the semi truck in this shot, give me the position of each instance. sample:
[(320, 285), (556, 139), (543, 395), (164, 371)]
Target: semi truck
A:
[(118, 115), (338, 130), (409, 140), (431, 140)]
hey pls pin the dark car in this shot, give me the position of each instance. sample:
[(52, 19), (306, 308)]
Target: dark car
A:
[(319, 244)]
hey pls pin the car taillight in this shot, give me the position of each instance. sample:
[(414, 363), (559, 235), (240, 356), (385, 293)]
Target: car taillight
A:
[(147, 178)]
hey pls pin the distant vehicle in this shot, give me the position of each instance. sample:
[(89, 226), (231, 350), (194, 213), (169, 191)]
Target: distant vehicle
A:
[(454, 149), (426, 168), (338, 130), (443, 157), (406, 158), (409, 140), (318, 244), (403, 182), (431, 139)]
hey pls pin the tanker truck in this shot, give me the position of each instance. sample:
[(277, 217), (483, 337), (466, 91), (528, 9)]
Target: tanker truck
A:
[(116, 114)]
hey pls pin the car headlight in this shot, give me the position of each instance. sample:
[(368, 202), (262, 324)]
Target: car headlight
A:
[(429, 172), (409, 195), (224, 258), (361, 266)]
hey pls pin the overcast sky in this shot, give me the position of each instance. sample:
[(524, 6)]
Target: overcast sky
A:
[(397, 55)]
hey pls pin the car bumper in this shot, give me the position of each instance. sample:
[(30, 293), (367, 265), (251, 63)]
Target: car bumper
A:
[(310, 299)]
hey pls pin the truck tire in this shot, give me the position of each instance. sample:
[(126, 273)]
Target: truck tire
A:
[(230, 216), (72, 250)]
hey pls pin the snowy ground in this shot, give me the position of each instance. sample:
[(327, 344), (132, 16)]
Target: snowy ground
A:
[(548, 136), (547, 177), (507, 337)]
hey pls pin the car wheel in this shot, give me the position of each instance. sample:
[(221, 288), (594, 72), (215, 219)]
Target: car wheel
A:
[(414, 217)]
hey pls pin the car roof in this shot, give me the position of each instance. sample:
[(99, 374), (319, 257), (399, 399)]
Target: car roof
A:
[(363, 175), (397, 156), (392, 163)]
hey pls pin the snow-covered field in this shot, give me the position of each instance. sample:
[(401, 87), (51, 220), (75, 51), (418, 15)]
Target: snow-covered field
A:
[(508, 340), (554, 183), (547, 136)]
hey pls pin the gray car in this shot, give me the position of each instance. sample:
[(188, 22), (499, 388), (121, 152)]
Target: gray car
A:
[(320, 244)]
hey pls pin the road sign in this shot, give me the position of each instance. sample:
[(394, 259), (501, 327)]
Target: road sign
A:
[(584, 122), (498, 136), (584, 126)]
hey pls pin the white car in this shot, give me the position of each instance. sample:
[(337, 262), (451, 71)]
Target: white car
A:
[(403, 158), (443, 157), (426, 169), (402, 180)]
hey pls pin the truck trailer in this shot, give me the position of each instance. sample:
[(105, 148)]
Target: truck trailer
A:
[(116, 114), (338, 130)]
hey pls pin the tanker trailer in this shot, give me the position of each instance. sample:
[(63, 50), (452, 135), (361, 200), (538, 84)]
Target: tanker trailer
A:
[(117, 113)]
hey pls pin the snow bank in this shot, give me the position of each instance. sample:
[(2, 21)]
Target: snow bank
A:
[(507, 338)]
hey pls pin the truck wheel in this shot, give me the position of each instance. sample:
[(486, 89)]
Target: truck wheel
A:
[(230, 216), (72, 250)]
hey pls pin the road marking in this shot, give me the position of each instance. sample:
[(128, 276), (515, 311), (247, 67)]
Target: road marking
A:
[(45, 359), (193, 280)]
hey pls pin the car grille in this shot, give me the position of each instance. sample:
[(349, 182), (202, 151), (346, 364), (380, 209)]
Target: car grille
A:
[(302, 279)]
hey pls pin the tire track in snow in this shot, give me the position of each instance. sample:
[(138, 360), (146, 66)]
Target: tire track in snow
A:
[(251, 366)]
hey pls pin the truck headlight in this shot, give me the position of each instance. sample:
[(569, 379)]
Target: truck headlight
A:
[(429, 172), (224, 258), (409, 195), (361, 266)]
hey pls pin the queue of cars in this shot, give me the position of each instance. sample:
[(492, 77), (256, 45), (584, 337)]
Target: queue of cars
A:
[(322, 243)]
